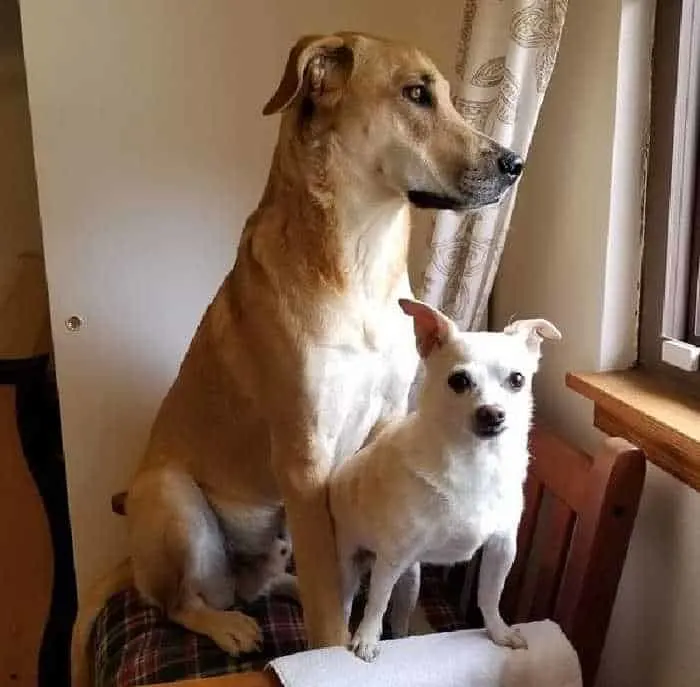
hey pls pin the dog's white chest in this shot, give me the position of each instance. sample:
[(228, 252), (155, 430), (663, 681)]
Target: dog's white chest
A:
[(358, 384), (488, 502), (459, 535)]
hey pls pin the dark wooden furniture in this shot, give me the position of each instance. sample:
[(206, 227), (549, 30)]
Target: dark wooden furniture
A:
[(37, 580)]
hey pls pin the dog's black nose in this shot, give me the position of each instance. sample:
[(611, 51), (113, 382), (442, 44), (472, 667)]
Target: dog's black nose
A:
[(511, 164), (489, 419)]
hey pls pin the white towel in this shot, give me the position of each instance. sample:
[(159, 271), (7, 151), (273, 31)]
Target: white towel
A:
[(465, 658)]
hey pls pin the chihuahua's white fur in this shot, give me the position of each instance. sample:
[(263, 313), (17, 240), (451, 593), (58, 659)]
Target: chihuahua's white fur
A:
[(429, 489)]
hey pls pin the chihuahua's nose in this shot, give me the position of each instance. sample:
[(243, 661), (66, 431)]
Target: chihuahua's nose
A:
[(511, 164), (489, 420)]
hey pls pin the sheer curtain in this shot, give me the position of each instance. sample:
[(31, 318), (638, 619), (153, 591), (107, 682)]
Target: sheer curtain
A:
[(506, 53)]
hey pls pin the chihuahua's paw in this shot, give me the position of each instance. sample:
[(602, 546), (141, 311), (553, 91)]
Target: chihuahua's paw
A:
[(366, 648), (508, 636)]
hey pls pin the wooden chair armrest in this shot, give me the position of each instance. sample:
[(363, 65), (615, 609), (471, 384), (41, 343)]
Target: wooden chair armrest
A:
[(267, 678)]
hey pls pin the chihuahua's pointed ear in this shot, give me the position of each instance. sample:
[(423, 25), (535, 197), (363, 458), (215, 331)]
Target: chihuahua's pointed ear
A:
[(319, 66), (534, 331), (432, 328)]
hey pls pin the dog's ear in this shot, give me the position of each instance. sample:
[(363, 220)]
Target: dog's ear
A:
[(318, 66), (534, 331), (432, 328)]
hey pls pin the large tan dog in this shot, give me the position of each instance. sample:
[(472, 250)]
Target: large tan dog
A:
[(303, 351)]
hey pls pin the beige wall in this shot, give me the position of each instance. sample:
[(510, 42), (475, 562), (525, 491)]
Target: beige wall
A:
[(573, 256), (151, 150), (20, 230)]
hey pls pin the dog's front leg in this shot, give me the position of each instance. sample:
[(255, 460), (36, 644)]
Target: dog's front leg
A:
[(385, 574), (302, 472), (497, 558)]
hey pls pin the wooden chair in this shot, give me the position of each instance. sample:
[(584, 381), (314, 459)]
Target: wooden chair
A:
[(573, 539), (37, 580), (574, 533)]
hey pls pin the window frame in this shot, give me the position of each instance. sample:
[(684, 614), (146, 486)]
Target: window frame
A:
[(671, 220), (693, 332)]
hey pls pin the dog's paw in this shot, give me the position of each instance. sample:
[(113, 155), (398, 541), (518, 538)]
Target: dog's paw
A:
[(509, 637), (366, 648), (236, 633)]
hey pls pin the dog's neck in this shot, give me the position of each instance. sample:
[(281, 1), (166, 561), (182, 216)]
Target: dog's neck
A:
[(336, 225)]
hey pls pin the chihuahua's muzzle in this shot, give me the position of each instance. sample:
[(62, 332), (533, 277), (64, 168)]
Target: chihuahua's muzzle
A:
[(489, 420)]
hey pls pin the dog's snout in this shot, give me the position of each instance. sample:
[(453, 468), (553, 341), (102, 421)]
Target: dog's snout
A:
[(490, 416), (510, 163), (489, 419)]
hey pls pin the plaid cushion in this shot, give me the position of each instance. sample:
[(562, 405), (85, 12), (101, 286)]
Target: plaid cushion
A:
[(134, 644)]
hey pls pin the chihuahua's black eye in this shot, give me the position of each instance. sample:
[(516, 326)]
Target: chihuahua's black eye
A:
[(516, 381), (418, 94), (460, 382)]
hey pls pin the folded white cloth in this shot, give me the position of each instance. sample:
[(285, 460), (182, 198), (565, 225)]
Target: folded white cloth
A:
[(466, 658)]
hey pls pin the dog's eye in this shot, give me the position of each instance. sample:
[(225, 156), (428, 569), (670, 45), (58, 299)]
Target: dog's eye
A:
[(460, 382), (418, 94), (516, 381)]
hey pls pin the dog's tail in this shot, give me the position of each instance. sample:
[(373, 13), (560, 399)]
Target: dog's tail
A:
[(114, 581)]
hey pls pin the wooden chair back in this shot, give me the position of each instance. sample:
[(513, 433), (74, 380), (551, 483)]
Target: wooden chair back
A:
[(574, 534)]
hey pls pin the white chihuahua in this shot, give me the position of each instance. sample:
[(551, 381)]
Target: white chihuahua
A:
[(448, 479)]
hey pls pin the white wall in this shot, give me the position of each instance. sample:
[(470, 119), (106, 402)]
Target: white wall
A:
[(20, 230), (151, 150), (573, 256), (556, 251)]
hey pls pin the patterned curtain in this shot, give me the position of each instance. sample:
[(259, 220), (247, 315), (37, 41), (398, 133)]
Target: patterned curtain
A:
[(506, 54)]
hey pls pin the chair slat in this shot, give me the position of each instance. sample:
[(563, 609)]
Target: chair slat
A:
[(556, 538), (528, 525)]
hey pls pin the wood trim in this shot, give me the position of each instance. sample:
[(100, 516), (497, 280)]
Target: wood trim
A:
[(649, 412), (267, 678)]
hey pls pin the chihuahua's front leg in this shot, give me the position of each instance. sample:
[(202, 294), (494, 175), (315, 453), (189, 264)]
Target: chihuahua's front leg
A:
[(385, 574), (497, 558)]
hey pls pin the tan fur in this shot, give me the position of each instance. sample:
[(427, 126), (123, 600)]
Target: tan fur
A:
[(117, 579), (285, 357)]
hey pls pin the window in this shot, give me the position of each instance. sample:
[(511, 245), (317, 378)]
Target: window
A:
[(669, 341)]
